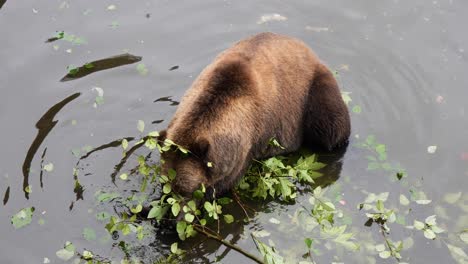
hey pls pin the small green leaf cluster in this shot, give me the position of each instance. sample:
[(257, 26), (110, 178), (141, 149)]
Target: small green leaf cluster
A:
[(23, 217), (380, 214), (73, 39), (69, 251), (377, 160), (270, 256), (429, 227), (277, 176), (323, 213)]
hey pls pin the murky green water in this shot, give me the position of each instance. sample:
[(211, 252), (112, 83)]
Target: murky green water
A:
[(404, 62)]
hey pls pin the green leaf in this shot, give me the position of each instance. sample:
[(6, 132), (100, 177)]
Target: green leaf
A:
[(464, 237), (381, 150), (157, 212), (408, 243), (141, 125), (104, 197), (418, 225), (380, 205), (399, 175), (429, 234), (437, 229), (22, 218), (151, 143), (274, 221), (452, 198), (385, 254), (87, 255), (153, 134), (175, 209), (67, 252), (308, 242), (346, 98), (373, 165), (126, 229), (431, 220), (380, 247), (137, 209), (171, 174), (89, 234), (357, 109), (269, 253), (224, 200), (208, 207), (141, 68), (404, 200), (180, 228), (228, 218), (101, 216), (174, 248), (189, 217), (275, 143), (167, 188), (123, 176), (457, 252), (423, 202), (48, 167)]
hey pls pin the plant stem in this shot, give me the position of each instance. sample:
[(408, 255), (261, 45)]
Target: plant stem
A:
[(382, 231), (236, 197), (229, 245)]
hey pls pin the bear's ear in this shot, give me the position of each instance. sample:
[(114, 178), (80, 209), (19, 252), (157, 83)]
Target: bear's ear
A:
[(162, 135)]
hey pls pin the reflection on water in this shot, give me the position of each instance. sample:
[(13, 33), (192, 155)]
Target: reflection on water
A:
[(166, 99), (113, 144), (2, 2), (45, 124), (6, 196), (100, 65)]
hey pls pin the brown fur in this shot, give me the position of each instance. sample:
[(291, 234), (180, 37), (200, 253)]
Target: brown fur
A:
[(266, 86)]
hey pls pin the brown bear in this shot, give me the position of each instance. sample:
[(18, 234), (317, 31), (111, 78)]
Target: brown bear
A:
[(266, 86)]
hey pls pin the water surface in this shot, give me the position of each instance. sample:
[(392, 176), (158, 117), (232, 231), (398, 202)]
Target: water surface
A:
[(404, 63)]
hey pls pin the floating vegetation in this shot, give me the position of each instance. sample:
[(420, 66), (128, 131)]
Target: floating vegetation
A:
[(23, 217), (141, 68), (99, 65), (271, 17), (62, 35)]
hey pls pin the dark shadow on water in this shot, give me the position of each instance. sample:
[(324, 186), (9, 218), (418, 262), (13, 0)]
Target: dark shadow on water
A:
[(166, 99), (45, 124), (42, 164), (100, 65), (113, 144), (6, 196), (157, 121)]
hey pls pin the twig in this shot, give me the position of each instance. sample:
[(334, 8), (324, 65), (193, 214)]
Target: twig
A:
[(382, 231), (310, 256), (236, 197), (227, 244)]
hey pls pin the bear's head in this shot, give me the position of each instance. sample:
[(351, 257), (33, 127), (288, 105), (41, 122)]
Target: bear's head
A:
[(191, 168)]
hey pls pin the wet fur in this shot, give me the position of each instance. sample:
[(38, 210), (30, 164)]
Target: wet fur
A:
[(266, 86)]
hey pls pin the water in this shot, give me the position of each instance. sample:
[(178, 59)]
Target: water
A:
[(404, 63)]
